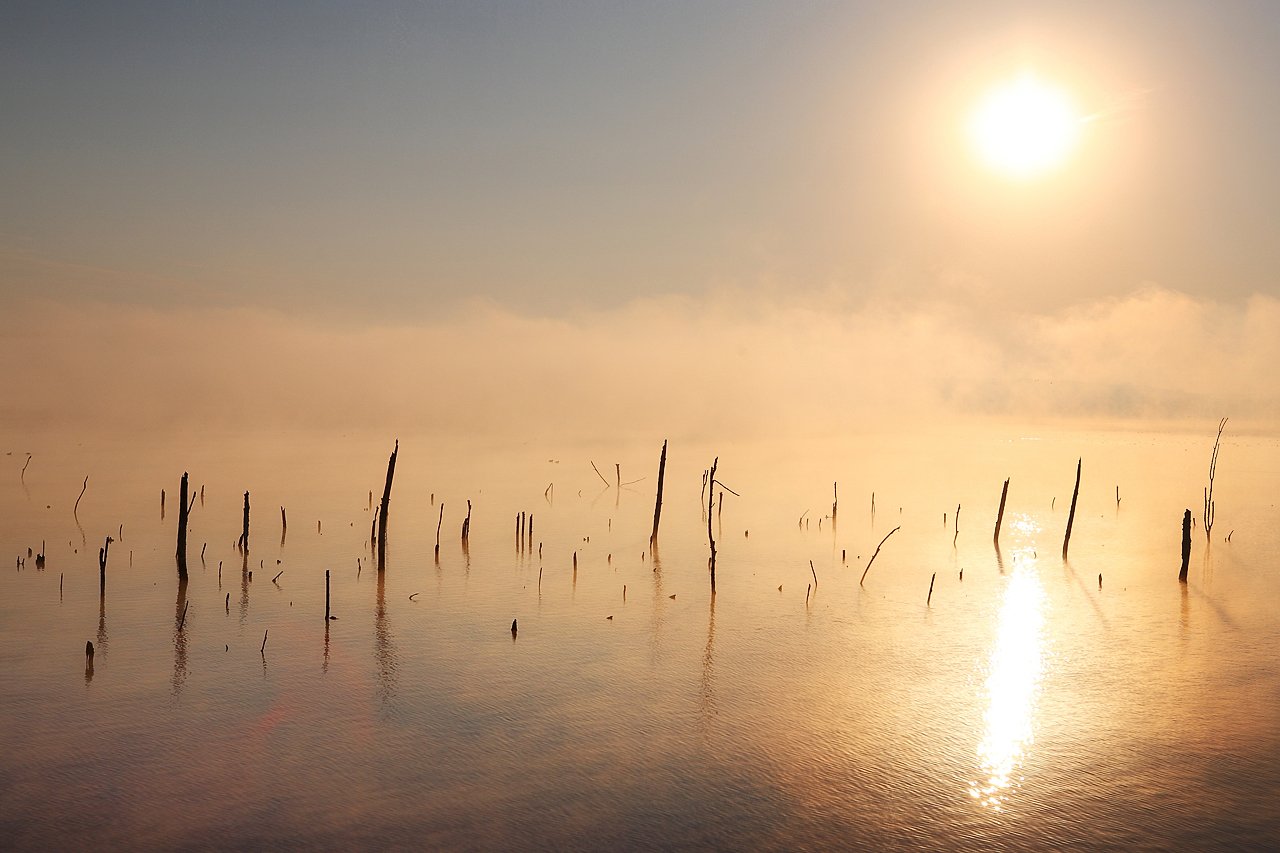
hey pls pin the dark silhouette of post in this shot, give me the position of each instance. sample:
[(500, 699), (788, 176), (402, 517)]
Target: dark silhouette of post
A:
[(657, 506), (184, 512), (384, 506), (102, 566), (1186, 545), (326, 596), (1004, 493), (711, 540), (1071, 516), (244, 536)]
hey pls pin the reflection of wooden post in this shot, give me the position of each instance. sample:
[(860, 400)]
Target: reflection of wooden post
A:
[(385, 506), (1186, 545), (1071, 516), (184, 511), (1004, 493)]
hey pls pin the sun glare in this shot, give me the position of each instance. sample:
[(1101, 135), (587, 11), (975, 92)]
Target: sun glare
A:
[(1025, 127)]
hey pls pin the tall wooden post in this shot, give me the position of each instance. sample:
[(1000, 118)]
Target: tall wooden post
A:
[(385, 506)]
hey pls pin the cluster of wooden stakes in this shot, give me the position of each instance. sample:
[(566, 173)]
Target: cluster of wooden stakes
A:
[(524, 530)]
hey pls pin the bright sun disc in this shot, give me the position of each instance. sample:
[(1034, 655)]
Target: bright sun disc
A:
[(1025, 127)]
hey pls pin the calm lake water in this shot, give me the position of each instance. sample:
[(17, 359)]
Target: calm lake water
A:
[(1027, 702)]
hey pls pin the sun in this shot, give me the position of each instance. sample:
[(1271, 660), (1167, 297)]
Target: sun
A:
[(1025, 127)]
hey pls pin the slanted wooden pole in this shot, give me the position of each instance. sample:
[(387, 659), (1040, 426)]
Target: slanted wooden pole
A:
[(184, 511), (1186, 545), (1071, 516), (385, 506), (1004, 493), (657, 506)]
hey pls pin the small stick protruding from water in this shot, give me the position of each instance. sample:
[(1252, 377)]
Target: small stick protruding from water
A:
[(929, 597), (228, 603), (277, 577), (76, 509), (513, 629), (957, 536), (326, 596), (877, 553), (439, 522), (815, 574), (1099, 580), (263, 650)]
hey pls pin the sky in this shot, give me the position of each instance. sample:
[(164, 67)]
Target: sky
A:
[(369, 180)]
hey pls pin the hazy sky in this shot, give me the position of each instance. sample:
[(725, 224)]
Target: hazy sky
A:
[(557, 155), (506, 176)]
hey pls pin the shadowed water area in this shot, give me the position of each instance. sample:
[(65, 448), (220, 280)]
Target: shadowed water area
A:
[(961, 697)]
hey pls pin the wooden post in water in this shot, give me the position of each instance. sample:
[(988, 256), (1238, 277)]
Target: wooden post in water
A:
[(711, 540), (244, 536), (439, 522), (284, 525), (102, 568), (1004, 493), (385, 506), (1186, 545), (184, 511), (657, 506), (326, 596), (1071, 516)]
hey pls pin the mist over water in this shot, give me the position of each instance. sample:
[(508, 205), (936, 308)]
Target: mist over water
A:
[(726, 365)]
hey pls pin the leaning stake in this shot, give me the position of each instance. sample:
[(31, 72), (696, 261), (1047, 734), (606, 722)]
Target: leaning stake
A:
[(657, 505), (1004, 493), (1071, 516)]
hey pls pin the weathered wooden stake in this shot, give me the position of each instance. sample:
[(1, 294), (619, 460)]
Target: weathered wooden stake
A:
[(326, 596), (929, 598), (1071, 516), (1186, 545), (184, 511), (385, 506), (439, 522), (102, 567), (711, 540), (657, 504), (1004, 493), (244, 535)]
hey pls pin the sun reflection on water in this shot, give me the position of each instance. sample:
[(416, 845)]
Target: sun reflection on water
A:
[(1013, 678)]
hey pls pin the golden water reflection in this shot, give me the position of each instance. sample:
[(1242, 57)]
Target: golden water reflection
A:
[(1014, 671)]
